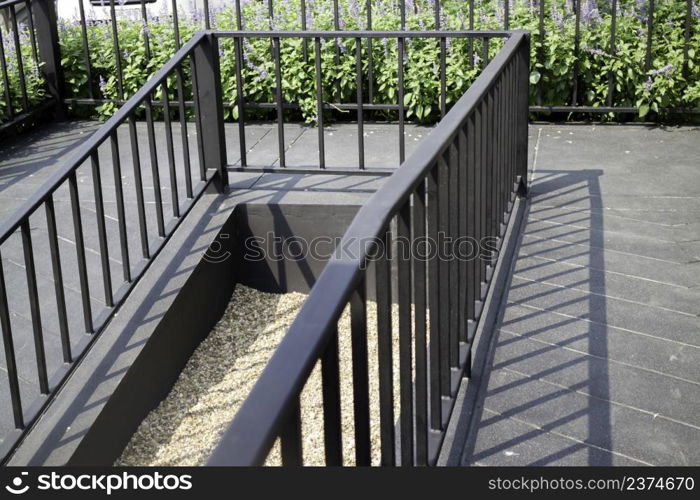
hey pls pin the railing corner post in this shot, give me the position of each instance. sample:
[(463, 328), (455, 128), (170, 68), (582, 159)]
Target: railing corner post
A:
[(46, 26), (523, 61), (210, 109)]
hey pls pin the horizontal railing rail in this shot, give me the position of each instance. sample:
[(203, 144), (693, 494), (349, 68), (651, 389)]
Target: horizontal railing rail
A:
[(459, 182), (35, 247)]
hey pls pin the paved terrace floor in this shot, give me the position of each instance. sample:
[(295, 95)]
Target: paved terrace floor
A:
[(596, 360), (28, 162)]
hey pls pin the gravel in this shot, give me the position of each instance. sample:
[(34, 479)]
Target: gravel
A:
[(186, 426)]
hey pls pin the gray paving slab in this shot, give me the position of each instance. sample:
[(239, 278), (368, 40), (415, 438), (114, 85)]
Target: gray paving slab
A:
[(595, 360), (604, 341), (610, 284)]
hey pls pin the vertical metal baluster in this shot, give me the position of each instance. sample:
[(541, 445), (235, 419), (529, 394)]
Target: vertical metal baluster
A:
[(240, 102), (182, 112), (370, 56), (470, 42), (418, 217), (498, 156), (358, 84), (270, 15), (34, 307), (10, 361), (443, 199), (493, 163), (239, 16), (402, 9), (434, 301), (198, 120), (121, 215), (138, 184), (20, 62), (463, 193), (278, 99), (291, 438), (5, 78), (207, 20), (540, 52), (319, 104), (402, 138), (512, 121), (613, 51), (577, 52), (443, 76), (506, 14), (144, 29), (170, 148), (384, 353), (686, 43), (86, 49), (155, 173), (521, 115), (336, 26), (101, 229), (117, 51), (650, 35), (485, 52), (453, 231), (32, 35), (488, 164), (403, 254), (176, 24), (58, 279), (360, 375), (304, 41), (80, 252), (330, 375), (482, 198), (472, 208)]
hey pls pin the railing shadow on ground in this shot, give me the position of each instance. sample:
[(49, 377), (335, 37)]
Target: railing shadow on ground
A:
[(548, 188)]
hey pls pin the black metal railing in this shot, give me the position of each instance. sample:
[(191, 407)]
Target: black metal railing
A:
[(32, 79), (137, 206), (121, 176), (332, 100), (367, 14), (460, 183)]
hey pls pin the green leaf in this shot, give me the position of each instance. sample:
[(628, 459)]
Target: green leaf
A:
[(643, 110), (535, 77)]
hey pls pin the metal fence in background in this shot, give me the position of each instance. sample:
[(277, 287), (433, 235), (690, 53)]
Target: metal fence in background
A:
[(460, 182), (39, 54), (32, 80), (540, 10)]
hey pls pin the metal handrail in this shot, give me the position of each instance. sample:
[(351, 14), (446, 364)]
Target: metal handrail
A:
[(257, 423), (14, 221)]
